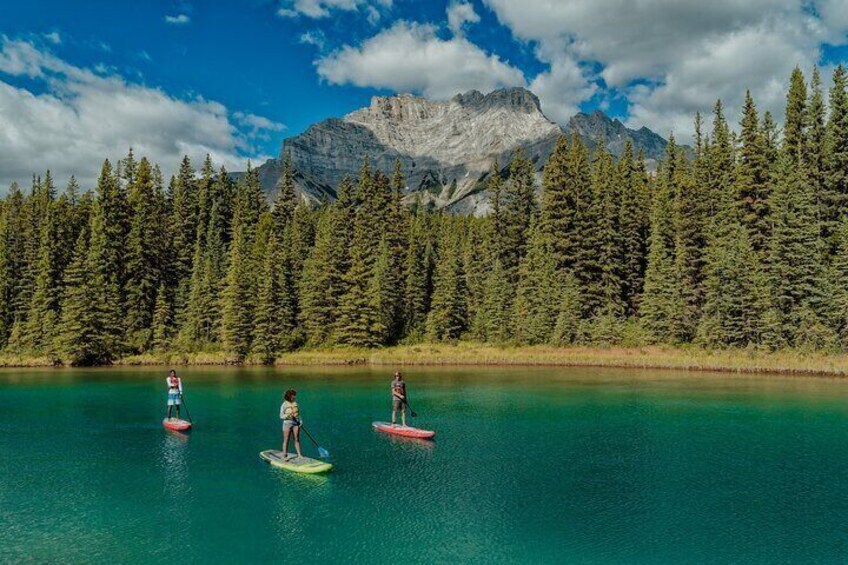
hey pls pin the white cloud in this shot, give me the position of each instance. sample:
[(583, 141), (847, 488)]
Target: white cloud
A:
[(410, 57), (315, 38), (53, 37), (179, 19), (459, 14), (257, 126), (75, 118), (562, 88), (672, 58), (317, 9)]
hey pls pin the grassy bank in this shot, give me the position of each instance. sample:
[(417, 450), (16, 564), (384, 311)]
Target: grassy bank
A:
[(648, 357)]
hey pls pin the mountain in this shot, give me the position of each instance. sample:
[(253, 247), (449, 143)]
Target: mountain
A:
[(447, 148)]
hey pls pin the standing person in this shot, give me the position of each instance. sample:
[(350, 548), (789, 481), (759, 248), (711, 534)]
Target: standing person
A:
[(290, 415), (175, 392), (398, 399)]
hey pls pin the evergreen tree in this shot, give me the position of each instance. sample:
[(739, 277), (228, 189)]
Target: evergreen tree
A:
[(814, 155), (496, 317), (691, 233), (183, 225), (34, 213), (417, 276), (836, 150), (517, 211), (113, 205), (286, 199), (447, 319), (752, 176), (274, 320), (609, 250), (237, 298), (91, 330), (561, 197), (44, 308), (356, 317), (321, 286), (11, 260), (634, 221), (569, 327), (535, 312), (145, 257), (663, 311), (162, 320), (796, 269), (797, 119), (477, 263)]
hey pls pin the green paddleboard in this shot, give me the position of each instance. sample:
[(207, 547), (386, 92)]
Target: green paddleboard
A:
[(294, 463)]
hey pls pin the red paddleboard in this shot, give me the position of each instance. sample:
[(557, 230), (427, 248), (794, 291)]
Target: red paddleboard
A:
[(176, 424), (405, 431)]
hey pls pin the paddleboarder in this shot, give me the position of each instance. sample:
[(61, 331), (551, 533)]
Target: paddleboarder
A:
[(175, 392), (398, 399), (290, 415)]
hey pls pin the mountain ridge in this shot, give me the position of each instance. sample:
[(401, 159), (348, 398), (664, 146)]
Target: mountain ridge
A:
[(447, 148)]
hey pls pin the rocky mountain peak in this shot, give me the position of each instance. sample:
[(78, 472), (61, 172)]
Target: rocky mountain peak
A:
[(447, 148), (516, 98)]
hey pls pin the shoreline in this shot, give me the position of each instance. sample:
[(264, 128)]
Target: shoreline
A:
[(785, 362)]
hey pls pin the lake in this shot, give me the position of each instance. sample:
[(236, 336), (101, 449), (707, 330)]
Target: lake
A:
[(529, 465)]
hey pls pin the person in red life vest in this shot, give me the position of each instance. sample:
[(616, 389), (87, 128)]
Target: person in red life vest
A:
[(175, 392)]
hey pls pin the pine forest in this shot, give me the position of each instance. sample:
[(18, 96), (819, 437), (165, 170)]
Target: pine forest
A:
[(737, 241)]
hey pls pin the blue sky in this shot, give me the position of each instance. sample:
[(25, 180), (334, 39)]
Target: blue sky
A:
[(81, 81)]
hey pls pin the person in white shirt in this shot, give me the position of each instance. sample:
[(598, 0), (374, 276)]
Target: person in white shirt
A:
[(290, 415), (175, 392)]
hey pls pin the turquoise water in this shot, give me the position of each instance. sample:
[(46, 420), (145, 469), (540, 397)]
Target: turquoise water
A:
[(529, 465)]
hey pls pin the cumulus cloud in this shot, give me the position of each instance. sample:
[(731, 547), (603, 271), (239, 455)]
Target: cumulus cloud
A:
[(179, 19), (73, 118), (317, 9), (460, 14), (672, 58), (561, 88), (53, 37), (411, 57)]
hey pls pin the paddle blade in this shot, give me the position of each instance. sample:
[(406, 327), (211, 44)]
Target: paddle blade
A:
[(323, 453)]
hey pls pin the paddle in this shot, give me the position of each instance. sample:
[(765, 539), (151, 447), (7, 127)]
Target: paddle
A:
[(323, 453), (411, 411), (182, 399)]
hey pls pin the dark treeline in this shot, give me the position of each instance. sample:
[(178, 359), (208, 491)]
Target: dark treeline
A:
[(741, 241)]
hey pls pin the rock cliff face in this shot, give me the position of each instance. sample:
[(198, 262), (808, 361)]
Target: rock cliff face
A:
[(447, 148)]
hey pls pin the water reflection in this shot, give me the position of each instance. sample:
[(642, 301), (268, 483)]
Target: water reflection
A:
[(172, 458), (414, 442)]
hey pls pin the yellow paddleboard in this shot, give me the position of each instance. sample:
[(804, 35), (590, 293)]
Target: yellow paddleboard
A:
[(294, 463)]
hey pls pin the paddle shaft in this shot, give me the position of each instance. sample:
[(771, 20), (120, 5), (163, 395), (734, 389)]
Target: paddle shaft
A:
[(183, 402), (411, 411), (312, 439)]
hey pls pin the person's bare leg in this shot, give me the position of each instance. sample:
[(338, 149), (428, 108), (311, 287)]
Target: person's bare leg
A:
[(297, 441), (286, 432), (394, 416), (403, 415)]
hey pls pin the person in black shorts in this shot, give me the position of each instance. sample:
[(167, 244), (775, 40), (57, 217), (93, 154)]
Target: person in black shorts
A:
[(398, 399)]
